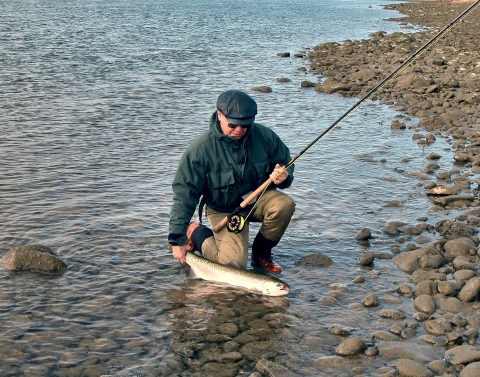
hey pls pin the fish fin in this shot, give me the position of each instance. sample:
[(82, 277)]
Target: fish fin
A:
[(192, 274)]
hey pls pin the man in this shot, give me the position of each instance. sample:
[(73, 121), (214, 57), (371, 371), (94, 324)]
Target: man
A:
[(229, 161)]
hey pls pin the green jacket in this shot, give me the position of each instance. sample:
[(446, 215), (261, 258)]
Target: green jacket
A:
[(222, 169)]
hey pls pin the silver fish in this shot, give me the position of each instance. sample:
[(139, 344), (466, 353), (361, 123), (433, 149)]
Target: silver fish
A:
[(203, 268)]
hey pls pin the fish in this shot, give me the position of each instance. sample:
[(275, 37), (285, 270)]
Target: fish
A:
[(202, 268)]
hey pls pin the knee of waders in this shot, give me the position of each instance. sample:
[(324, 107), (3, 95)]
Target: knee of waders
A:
[(284, 207), (200, 234)]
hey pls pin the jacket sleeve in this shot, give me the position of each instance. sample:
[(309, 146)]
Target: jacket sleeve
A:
[(280, 154), (188, 186)]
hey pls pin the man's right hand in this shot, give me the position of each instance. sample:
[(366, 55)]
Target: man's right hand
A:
[(180, 252)]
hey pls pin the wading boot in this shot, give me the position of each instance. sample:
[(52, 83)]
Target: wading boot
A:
[(262, 254)]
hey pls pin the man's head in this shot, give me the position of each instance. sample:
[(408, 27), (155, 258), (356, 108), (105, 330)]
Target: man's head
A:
[(236, 112)]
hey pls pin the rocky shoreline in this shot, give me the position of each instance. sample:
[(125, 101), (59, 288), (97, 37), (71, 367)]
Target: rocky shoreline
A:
[(442, 89)]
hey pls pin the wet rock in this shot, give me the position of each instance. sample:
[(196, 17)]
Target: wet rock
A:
[(470, 290), (33, 258), (455, 200), (408, 333), (230, 329), (397, 327), (463, 276), (410, 368), (392, 314), (449, 287), (371, 300), (405, 289), (436, 341), (452, 230), (426, 287), (351, 346), (331, 85), (439, 326), (371, 352), (340, 330), (414, 80), (471, 335), (366, 259), (363, 234), (385, 335), (331, 361), (463, 263), (454, 337), (397, 125), (359, 280), (272, 369), (420, 275), (416, 352), (262, 88), (216, 369), (317, 260), (464, 354), (430, 261), (307, 84), (424, 303), (471, 370), (254, 350), (410, 260), (452, 305), (439, 366), (391, 229), (420, 317)]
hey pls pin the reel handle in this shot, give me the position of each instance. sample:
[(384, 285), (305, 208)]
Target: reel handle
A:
[(217, 228)]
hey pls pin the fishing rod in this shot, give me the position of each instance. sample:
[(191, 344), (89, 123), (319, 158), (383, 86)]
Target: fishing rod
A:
[(235, 222)]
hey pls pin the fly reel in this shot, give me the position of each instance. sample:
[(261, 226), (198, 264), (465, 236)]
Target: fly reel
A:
[(235, 222)]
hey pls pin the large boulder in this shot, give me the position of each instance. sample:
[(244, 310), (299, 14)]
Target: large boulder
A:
[(331, 85), (452, 229), (410, 260), (458, 247), (414, 80), (33, 258)]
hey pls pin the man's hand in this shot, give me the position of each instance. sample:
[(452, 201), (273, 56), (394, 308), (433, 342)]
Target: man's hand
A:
[(278, 175), (179, 252)]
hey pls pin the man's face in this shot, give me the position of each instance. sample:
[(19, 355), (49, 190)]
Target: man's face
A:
[(238, 132)]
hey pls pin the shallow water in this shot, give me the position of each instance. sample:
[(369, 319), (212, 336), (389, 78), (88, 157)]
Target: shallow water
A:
[(98, 100)]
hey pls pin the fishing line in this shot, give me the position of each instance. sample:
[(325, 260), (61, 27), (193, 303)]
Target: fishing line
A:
[(235, 222)]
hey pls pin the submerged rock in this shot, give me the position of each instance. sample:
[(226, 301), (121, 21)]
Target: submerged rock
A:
[(351, 346), (33, 258), (314, 260)]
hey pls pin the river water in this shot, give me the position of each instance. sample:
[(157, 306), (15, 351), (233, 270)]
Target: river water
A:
[(98, 101)]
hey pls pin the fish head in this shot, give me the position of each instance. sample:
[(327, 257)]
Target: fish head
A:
[(275, 288)]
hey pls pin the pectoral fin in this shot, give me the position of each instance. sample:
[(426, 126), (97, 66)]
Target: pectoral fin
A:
[(192, 274)]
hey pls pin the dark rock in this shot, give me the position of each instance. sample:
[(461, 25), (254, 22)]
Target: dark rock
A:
[(411, 368), (351, 346), (317, 260), (452, 230), (363, 234), (366, 259), (262, 88), (33, 258)]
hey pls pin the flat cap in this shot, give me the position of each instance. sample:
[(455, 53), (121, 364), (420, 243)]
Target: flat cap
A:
[(237, 106)]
